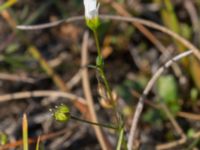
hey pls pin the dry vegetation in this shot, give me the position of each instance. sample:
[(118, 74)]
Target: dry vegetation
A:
[(151, 61)]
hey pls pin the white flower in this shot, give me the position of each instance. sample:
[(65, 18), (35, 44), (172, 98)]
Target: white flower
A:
[(91, 9)]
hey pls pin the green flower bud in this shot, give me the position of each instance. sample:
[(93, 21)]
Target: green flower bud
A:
[(92, 13), (62, 113)]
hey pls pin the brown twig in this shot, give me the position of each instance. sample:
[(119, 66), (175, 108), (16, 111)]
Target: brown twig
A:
[(48, 69), (121, 18), (42, 93), (186, 115), (177, 127), (173, 121), (171, 118), (171, 144), (48, 25), (16, 77), (182, 114), (150, 84), (122, 11), (105, 145), (157, 27), (189, 116)]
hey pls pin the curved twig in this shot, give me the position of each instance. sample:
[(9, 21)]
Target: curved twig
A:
[(150, 84), (49, 25), (120, 18), (157, 27)]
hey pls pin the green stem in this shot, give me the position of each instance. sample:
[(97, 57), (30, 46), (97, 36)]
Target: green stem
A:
[(97, 42), (100, 68), (25, 132), (108, 89), (94, 123), (120, 140), (103, 76)]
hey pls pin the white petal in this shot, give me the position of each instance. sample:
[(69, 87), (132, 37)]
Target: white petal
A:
[(91, 8)]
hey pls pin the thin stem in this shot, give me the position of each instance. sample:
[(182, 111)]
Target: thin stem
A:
[(94, 123), (100, 68), (108, 89), (120, 140), (97, 42), (103, 76)]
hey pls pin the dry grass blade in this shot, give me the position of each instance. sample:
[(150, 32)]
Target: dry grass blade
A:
[(42, 93), (16, 77), (48, 69), (38, 144), (25, 132)]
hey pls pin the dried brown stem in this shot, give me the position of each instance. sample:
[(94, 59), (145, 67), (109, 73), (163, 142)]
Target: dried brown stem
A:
[(88, 95), (120, 18), (42, 93)]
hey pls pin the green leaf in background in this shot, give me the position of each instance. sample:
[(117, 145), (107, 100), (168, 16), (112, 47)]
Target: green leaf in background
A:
[(170, 20), (167, 91), (190, 133), (194, 94), (167, 88), (3, 138)]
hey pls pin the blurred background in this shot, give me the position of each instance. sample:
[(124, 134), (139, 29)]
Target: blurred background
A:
[(50, 59)]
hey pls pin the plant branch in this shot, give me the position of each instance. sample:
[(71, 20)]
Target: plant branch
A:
[(41, 93), (119, 18), (94, 123)]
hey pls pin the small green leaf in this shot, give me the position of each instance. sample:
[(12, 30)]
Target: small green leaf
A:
[(99, 61), (190, 133), (167, 88)]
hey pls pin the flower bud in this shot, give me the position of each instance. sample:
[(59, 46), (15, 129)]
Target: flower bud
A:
[(61, 113), (92, 14)]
